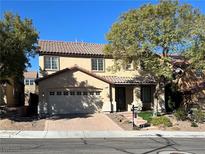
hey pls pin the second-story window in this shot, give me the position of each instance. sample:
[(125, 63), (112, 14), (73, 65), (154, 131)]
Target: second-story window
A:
[(26, 81), (51, 63), (128, 66), (29, 81), (97, 64)]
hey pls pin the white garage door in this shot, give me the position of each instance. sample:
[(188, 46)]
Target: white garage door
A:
[(67, 101)]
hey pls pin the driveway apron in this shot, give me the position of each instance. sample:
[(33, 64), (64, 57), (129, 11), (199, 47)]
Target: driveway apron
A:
[(90, 122)]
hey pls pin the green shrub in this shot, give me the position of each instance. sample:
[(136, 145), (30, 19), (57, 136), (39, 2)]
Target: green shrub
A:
[(181, 114), (194, 124), (162, 120), (146, 115), (198, 116)]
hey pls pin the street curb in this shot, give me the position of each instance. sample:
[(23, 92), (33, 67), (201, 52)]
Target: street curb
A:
[(99, 134)]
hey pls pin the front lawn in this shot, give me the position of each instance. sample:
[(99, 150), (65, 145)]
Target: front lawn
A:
[(146, 115)]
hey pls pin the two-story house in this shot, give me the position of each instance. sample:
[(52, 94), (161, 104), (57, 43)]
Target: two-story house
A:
[(29, 84), (78, 81), (29, 81)]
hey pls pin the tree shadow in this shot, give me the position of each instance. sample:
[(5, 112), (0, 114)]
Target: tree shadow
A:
[(166, 143), (163, 142)]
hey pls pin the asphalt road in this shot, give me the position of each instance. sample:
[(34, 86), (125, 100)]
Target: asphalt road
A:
[(101, 146)]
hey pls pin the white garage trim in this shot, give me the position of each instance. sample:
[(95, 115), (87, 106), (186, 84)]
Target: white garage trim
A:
[(75, 100)]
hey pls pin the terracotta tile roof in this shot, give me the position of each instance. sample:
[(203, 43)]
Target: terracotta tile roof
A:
[(107, 79), (30, 74), (130, 80), (70, 48)]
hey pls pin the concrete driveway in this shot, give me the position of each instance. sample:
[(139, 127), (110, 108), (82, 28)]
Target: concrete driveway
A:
[(89, 122)]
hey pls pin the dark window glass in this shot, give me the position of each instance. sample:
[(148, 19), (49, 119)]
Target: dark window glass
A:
[(31, 81), (100, 64), (85, 93), (128, 67), (91, 93), (94, 64), (97, 92), (65, 93), (59, 93), (52, 93), (26, 81), (51, 62), (97, 64), (72, 93), (78, 92), (47, 63)]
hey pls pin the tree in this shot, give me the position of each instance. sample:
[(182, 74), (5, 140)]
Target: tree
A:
[(148, 35), (18, 39)]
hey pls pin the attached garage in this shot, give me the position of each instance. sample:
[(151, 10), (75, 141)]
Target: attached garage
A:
[(71, 91), (70, 101)]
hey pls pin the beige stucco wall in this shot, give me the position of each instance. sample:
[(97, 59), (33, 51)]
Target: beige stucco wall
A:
[(66, 62), (70, 80), (10, 98), (14, 93), (27, 90), (30, 88)]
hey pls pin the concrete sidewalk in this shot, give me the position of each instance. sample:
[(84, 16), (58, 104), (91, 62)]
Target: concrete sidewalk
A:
[(100, 134)]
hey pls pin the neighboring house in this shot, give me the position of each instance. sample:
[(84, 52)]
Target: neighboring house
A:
[(78, 81), (12, 93), (29, 84), (192, 84), (29, 81)]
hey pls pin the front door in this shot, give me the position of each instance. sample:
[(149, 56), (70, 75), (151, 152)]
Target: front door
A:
[(146, 96), (120, 98)]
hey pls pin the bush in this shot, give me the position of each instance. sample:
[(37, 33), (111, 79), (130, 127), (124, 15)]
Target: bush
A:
[(198, 116), (194, 124), (162, 120), (146, 115), (180, 114)]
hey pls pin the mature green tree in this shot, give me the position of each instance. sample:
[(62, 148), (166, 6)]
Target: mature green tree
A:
[(18, 39), (196, 51), (149, 34)]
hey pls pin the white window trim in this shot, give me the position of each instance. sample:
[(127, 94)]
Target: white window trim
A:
[(29, 81), (103, 60), (58, 63)]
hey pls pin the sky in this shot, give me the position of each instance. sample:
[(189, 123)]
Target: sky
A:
[(67, 20)]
